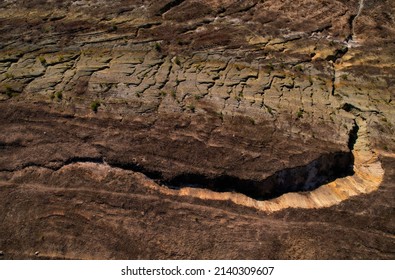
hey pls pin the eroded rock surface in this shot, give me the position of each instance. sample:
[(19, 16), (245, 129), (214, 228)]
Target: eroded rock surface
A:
[(130, 128)]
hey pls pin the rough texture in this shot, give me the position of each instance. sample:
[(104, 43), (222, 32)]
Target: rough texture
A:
[(114, 112)]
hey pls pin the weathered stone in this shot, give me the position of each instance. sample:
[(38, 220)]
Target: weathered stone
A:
[(142, 125)]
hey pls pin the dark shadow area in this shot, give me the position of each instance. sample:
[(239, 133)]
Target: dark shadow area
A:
[(325, 169), (169, 6), (154, 175), (352, 139), (83, 159)]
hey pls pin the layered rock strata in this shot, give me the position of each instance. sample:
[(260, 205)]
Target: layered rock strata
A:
[(191, 101)]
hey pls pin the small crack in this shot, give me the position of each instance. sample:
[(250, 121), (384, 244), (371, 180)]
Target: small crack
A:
[(170, 5)]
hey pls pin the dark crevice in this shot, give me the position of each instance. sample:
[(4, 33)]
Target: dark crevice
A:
[(351, 26), (83, 159), (170, 6), (339, 53), (135, 167), (333, 90), (353, 136), (325, 169), (350, 108)]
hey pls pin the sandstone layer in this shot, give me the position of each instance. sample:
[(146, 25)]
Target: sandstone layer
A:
[(130, 129)]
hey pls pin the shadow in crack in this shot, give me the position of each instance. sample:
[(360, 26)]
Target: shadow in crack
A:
[(325, 169)]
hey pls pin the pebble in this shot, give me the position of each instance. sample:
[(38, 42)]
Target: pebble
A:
[(37, 253), (1, 253)]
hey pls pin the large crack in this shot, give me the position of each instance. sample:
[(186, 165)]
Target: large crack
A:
[(324, 169)]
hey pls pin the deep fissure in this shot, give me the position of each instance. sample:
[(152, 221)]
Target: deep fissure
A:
[(324, 169)]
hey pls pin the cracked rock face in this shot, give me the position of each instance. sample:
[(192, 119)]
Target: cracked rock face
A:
[(134, 127)]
